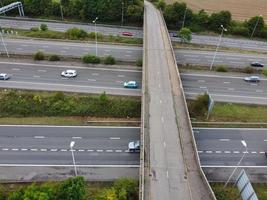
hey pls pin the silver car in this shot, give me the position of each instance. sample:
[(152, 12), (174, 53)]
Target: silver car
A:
[(69, 73)]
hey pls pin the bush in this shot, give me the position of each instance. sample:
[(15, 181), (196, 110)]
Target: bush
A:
[(248, 70), (39, 56), (91, 59), (75, 33), (139, 63), (199, 107), (240, 30), (54, 58), (34, 29), (109, 60), (264, 72), (221, 69), (43, 27)]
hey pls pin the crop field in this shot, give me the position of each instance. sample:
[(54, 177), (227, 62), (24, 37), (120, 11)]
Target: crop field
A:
[(240, 9)]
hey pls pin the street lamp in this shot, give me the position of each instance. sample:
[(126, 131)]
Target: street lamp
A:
[(4, 44), (255, 26), (243, 142), (184, 17), (71, 149), (223, 29), (61, 10), (122, 7), (95, 36)]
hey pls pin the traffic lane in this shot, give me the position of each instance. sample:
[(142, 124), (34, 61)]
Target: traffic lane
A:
[(65, 158), (230, 59), (106, 30), (19, 46), (67, 131)]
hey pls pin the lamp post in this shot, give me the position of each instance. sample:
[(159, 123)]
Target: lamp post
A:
[(255, 26), (95, 36), (223, 29), (184, 17), (245, 145), (122, 7), (61, 10), (71, 149), (4, 44)]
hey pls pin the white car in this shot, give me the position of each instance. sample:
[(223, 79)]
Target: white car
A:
[(134, 146), (252, 79), (4, 76), (69, 73)]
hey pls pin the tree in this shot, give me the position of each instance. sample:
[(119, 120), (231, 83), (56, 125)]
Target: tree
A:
[(126, 189), (256, 22), (217, 19), (72, 189), (107, 194), (161, 5), (174, 14), (43, 27), (185, 35)]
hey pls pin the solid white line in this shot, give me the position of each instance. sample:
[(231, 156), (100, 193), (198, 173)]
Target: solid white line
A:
[(92, 127), (249, 129), (114, 138), (76, 137), (232, 166), (93, 166)]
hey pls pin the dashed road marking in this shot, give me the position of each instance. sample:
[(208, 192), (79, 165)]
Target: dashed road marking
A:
[(224, 140), (15, 69), (76, 137), (36, 76), (95, 74), (236, 152), (114, 138), (39, 137)]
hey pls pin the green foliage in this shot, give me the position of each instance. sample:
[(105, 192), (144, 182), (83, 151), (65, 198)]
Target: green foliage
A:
[(43, 27), (15, 103), (126, 189), (106, 194), (264, 72), (217, 19), (139, 63), (185, 35), (45, 34), (249, 70), (221, 69), (75, 33), (91, 59), (34, 192), (256, 22), (240, 30), (39, 56), (54, 58), (174, 14), (72, 189), (161, 5), (199, 107), (109, 60), (35, 29)]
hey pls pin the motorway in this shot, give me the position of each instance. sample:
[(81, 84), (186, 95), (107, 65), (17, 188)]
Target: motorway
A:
[(223, 147), (196, 39), (129, 53), (49, 145)]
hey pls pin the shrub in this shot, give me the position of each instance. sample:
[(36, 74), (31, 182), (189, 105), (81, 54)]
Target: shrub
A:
[(34, 29), (264, 72), (109, 60), (248, 70), (75, 33), (91, 59), (43, 27), (39, 56), (199, 107), (221, 69), (139, 63), (54, 58), (240, 30)]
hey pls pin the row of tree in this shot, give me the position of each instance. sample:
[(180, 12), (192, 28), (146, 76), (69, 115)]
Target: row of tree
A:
[(178, 15), (73, 189), (85, 10)]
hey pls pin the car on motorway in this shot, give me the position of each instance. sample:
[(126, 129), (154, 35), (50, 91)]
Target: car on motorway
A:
[(69, 73), (130, 84), (254, 79), (4, 76), (134, 146), (126, 33), (257, 64)]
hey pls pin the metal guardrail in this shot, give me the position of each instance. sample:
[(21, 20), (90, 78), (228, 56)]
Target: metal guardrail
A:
[(188, 117)]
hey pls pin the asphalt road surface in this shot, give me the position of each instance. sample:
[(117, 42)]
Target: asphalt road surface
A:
[(49, 145), (137, 32), (223, 147), (225, 88), (89, 79)]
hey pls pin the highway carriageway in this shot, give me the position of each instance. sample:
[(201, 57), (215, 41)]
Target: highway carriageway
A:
[(228, 87)]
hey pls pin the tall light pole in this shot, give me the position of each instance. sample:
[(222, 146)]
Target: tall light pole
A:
[(223, 29), (61, 10), (255, 26), (4, 44), (95, 36), (245, 145), (122, 7), (184, 17), (71, 149)]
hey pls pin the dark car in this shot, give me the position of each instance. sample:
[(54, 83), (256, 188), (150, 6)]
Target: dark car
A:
[(256, 64)]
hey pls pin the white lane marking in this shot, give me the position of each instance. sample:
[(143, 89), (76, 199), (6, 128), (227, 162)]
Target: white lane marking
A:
[(200, 151), (265, 140), (53, 149), (164, 144), (253, 151), (45, 46), (42, 70), (14, 149), (259, 90), (90, 150), (224, 140), (167, 174), (159, 85), (24, 149), (201, 81), (226, 82), (114, 138), (236, 152), (89, 166), (208, 151), (218, 151), (227, 151), (81, 150), (19, 48), (95, 74), (160, 101), (255, 84), (158, 73), (109, 150), (63, 150), (202, 87), (76, 137), (88, 127), (43, 149), (245, 152), (93, 80), (129, 51), (162, 119), (232, 89), (36, 76), (34, 149), (67, 48), (107, 50), (99, 150), (15, 69), (121, 76), (128, 55), (24, 45), (118, 150), (62, 51), (5, 149), (261, 152), (39, 137)]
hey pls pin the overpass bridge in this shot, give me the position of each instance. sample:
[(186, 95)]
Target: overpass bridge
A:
[(170, 167)]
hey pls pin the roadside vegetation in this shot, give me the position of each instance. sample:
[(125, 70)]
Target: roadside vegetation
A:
[(203, 22), (72, 189), (20, 103)]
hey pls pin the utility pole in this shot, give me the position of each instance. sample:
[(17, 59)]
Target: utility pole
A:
[(255, 26), (122, 13), (95, 36), (184, 17)]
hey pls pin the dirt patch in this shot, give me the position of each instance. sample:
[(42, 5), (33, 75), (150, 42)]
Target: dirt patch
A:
[(241, 10)]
